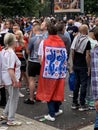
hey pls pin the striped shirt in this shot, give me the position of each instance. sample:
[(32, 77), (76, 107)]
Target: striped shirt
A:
[(94, 72)]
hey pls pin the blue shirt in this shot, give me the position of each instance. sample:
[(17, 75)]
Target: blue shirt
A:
[(33, 46)]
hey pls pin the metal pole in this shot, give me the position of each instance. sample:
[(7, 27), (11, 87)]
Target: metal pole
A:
[(82, 6)]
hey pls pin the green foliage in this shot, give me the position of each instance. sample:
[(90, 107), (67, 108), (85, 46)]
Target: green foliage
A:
[(19, 7), (91, 6), (46, 8), (34, 7)]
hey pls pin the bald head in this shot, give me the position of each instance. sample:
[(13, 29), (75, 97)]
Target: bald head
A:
[(83, 29), (70, 21)]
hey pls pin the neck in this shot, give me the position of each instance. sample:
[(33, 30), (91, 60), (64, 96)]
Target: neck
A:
[(12, 47)]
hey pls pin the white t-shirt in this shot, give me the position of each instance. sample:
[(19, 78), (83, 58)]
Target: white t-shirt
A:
[(10, 60), (1, 83)]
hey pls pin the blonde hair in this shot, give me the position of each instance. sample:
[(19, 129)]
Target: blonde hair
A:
[(83, 29), (20, 40), (9, 39)]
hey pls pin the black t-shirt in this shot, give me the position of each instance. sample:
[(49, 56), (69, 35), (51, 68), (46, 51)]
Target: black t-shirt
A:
[(80, 59)]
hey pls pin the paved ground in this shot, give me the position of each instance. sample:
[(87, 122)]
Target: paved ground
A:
[(30, 124), (91, 127), (27, 124), (69, 120)]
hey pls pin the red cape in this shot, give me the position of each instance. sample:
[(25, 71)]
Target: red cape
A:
[(48, 88)]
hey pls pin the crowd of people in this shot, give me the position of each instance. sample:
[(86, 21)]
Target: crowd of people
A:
[(39, 53)]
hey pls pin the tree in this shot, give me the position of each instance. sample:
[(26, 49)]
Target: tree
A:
[(91, 6), (19, 7)]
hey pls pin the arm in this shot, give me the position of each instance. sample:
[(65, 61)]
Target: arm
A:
[(30, 45), (40, 52), (40, 59), (88, 61), (70, 60), (12, 75), (11, 63)]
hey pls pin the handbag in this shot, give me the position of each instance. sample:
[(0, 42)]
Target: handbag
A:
[(71, 81)]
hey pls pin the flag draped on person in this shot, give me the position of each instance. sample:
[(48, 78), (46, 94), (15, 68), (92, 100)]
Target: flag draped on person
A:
[(53, 70)]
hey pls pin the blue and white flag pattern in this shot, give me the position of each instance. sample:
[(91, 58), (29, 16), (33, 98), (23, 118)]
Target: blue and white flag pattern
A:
[(55, 62)]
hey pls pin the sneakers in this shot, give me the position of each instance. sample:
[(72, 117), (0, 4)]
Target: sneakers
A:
[(91, 108), (28, 101), (20, 94), (74, 106), (91, 103), (14, 123), (49, 118), (59, 112), (84, 108)]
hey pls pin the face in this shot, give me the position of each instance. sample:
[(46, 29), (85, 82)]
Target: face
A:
[(43, 26), (7, 24), (17, 35), (15, 28)]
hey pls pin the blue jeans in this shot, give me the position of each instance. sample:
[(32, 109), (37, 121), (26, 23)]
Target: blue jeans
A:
[(80, 84), (96, 121), (53, 107)]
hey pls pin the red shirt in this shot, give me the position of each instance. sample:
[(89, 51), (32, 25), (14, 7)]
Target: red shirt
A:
[(18, 50)]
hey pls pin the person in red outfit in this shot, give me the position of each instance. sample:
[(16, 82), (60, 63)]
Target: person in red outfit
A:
[(53, 57), (20, 51)]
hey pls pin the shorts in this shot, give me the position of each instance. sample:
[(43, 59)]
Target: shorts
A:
[(33, 68), (23, 64)]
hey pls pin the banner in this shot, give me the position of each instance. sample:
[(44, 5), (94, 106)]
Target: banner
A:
[(67, 6)]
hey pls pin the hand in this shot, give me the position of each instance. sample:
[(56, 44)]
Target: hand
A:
[(96, 105), (14, 83), (17, 84)]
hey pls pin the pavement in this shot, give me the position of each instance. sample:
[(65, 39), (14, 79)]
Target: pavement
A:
[(91, 127), (29, 115), (30, 124), (27, 124)]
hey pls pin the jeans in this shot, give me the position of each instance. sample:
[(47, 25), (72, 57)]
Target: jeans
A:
[(53, 107), (80, 85), (96, 122), (11, 106), (89, 95)]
